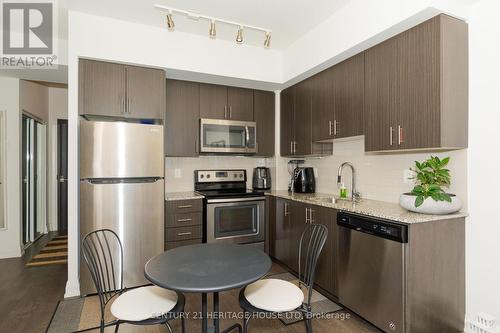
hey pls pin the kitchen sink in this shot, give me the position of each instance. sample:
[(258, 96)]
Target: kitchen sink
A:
[(323, 199)]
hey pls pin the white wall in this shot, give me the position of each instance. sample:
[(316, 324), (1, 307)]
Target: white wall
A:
[(483, 226), (58, 109), (10, 239)]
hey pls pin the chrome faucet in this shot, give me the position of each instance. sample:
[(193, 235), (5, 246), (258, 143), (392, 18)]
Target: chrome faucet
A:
[(354, 194)]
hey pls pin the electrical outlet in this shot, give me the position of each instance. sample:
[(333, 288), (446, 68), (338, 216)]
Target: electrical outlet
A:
[(177, 173), (408, 176)]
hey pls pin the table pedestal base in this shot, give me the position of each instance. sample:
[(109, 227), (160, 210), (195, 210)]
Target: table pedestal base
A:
[(204, 312)]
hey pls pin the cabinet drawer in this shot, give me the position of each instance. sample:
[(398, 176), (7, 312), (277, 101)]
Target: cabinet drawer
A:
[(184, 206), (181, 220), (173, 245), (183, 233)]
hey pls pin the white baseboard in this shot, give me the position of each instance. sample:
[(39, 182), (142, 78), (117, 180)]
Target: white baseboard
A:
[(10, 254), (72, 289)]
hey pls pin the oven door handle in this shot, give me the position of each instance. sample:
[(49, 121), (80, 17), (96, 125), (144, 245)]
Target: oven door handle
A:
[(210, 201)]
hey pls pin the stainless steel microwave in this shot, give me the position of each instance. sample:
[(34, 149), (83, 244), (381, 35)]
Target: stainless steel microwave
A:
[(228, 136)]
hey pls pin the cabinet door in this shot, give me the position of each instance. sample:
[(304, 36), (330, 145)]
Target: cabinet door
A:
[(418, 121), (282, 232), (348, 97), (302, 120), (213, 101), (269, 247), (101, 88), (326, 267), (145, 93), (286, 121), (182, 119), (382, 81), (298, 214), (264, 117), (322, 105), (240, 104)]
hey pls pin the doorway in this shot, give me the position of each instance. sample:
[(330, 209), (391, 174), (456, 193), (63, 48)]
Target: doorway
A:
[(34, 195), (62, 176)]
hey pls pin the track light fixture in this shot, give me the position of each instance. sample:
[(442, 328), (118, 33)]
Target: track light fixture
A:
[(170, 21), (212, 33), (239, 35), (267, 41)]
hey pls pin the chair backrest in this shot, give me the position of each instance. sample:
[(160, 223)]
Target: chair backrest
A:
[(103, 254), (311, 243)]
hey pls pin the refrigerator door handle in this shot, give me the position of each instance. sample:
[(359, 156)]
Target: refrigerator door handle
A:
[(121, 180)]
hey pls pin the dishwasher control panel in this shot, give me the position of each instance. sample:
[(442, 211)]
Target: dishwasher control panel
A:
[(377, 227)]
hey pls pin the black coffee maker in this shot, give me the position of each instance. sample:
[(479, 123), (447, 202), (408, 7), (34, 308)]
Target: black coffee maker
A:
[(303, 180)]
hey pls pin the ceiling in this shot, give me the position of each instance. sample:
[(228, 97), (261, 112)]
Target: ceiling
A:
[(288, 19)]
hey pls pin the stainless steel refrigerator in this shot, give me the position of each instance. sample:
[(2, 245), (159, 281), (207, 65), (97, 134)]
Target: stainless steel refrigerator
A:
[(122, 189)]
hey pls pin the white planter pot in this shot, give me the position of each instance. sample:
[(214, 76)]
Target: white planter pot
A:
[(430, 206)]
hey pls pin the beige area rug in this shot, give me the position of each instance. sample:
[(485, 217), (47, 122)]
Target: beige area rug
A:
[(84, 314)]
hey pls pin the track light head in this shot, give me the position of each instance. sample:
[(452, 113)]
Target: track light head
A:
[(239, 35), (212, 32), (267, 41), (170, 22)]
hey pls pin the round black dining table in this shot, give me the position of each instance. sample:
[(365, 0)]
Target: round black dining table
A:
[(208, 268)]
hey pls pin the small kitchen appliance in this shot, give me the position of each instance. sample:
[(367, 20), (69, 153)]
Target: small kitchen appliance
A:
[(261, 178), (303, 180)]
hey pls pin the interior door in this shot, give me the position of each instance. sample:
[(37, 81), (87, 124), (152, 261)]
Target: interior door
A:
[(213, 101), (286, 121), (240, 103), (145, 93), (62, 176)]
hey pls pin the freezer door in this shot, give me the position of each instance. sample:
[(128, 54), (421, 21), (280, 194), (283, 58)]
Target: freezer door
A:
[(135, 212), (120, 150)]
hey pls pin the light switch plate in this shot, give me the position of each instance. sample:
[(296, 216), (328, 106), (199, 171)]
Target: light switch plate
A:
[(408, 176), (177, 173)]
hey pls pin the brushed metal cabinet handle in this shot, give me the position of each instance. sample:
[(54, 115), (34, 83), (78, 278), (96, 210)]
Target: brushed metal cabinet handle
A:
[(390, 135), (185, 206), (335, 123), (311, 216), (286, 208), (400, 135), (225, 112), (291, 147), (184, 233), (307, 215), (329, 128), (230, 112), (184, 220)]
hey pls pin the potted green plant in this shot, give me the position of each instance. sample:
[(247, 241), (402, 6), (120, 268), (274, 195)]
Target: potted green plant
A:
[(429, 195)]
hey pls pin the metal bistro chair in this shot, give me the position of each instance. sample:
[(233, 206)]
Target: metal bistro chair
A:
[(149, 305), (279, 296)]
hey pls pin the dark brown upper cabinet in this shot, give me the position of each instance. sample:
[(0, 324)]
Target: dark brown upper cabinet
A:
[(182, 118), (230, 103), (416, 88), (263, 104), (115, 90), (287, 111), (337, 100), (296, 122)]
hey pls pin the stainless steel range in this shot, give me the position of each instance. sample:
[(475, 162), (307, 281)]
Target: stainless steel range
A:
[(234, 214)]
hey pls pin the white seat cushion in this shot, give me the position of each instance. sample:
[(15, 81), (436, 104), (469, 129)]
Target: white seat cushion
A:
[(143, 303), (274, 295)]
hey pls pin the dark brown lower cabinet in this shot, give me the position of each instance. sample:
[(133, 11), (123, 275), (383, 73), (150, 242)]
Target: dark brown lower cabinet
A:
[(183, 223), (285, 233)]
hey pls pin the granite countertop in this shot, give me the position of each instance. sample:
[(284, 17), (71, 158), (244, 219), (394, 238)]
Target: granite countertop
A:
[(375, 208), (190, 195)]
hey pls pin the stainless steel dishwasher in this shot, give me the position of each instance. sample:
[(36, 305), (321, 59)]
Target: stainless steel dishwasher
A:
[(371, 269)]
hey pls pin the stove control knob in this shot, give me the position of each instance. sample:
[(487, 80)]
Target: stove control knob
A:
[(241, 175), (202, 176), (208, 176)]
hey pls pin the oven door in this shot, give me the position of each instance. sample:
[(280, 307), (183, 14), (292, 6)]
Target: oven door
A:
[(227, 136), (236, 220)]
